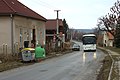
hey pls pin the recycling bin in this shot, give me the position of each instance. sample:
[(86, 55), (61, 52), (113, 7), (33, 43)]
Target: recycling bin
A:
[(28, 54), (39, 52)]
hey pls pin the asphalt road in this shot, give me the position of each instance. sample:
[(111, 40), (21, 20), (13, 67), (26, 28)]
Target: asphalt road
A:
[(73, 66)]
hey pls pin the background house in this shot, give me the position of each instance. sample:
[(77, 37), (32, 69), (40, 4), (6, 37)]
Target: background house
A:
[(51, 33), (18, 24), (100, 40), (108, 39), (105, 38)]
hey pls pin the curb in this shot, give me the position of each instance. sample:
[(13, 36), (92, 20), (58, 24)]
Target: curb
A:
[(110, 53)]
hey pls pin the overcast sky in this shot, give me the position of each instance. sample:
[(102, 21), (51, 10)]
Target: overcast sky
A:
[(79, 14)]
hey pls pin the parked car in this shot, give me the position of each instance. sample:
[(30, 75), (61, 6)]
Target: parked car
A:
[(76, 47)]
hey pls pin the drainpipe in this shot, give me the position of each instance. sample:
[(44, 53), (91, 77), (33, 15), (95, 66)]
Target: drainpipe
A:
[(12, 37)]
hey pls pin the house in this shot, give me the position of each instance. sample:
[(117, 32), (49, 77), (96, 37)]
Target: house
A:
[(105, 38), (51, 29), (100, 40), (108, 39), (19, 26), (53, 39)]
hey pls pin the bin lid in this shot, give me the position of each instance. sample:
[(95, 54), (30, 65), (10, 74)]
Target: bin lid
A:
[(28, 49)]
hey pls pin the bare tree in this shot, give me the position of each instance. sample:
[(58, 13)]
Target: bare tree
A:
[(109, 22)]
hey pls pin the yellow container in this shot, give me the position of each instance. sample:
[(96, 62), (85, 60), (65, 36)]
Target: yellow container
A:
[(28, 54)]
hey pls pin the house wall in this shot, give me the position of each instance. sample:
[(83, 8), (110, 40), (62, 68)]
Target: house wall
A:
[(110, 43), (107, 41), (5, 34), (22, 31), (24, 26)]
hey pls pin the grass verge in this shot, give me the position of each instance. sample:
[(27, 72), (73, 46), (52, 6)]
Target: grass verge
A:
[(114, 49), (11, 65), (11, 62), (104, 71)]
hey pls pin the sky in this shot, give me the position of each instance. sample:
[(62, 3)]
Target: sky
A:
[(79, 14)]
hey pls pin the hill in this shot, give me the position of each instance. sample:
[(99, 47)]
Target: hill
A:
[(85, 30)]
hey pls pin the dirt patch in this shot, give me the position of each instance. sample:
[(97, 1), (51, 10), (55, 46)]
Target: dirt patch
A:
[(11, 62), (105, 69), (114, 49), (10, 65)]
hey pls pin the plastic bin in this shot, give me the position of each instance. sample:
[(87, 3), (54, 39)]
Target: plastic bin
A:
[(28, 54)]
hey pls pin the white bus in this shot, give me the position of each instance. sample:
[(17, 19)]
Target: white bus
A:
[(89, 42)]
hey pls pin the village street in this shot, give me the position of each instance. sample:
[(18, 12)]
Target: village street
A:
[(77, 65)]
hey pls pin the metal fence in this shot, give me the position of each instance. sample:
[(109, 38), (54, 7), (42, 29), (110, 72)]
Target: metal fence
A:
[(5, 49)]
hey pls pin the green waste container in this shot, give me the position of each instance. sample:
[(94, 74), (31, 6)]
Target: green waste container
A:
[(39, 52)]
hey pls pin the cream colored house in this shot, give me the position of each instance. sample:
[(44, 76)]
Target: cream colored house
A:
[(19, 24), (108, 39)]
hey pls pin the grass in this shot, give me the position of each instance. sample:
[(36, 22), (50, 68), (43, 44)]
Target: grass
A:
[(10, 62), (107, 62), (104, 71), (9, 65), (114, 49)]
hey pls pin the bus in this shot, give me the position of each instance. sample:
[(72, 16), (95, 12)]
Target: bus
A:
[(89, 42)]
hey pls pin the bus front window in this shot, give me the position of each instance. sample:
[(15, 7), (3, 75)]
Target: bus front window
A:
[(89, 40)]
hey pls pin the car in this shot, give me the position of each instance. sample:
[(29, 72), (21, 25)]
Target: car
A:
[(76, 47)]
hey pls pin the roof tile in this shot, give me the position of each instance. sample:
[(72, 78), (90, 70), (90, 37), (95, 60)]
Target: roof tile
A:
[(17, 8), (52, 24), (110, 36)]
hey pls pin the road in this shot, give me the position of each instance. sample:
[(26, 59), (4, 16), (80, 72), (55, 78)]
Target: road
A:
[(73, 66)]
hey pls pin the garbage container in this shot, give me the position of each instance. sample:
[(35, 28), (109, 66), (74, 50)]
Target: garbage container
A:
[(28, 54), (39, 52)]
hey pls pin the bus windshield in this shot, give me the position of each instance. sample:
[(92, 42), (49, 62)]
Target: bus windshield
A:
[(89, 40)]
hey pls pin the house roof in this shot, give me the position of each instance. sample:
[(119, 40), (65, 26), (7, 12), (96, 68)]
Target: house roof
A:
[(110, 36), (14, 7), (100, 38), (52, 24)]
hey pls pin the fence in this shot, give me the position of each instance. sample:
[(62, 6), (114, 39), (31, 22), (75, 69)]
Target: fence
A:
[(5, 49), (53, 47), (5, 52)]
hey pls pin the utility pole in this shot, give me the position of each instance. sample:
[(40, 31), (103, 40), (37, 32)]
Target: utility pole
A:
[(57, 32), (57, 21), (71, 33)]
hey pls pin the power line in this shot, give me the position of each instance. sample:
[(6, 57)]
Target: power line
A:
[(46, 4), (41, 3)]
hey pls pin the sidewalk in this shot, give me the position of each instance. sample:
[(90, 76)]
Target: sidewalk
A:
[(110, 51), (116, 65)]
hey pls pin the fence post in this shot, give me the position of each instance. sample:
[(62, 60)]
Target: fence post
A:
[(6, 48), (16, 49), (3, 48)]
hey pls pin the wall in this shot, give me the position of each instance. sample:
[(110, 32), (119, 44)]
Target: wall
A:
[(21, 25), (26, 25), (5, 33), (106, 40)]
